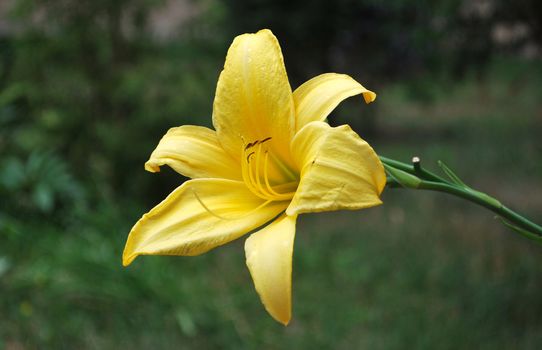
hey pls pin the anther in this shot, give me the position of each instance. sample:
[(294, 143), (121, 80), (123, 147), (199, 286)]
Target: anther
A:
[(257, 142), (249, 145)]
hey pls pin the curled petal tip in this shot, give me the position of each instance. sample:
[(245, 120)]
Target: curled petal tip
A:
[(152, 168), (265, 30), (369, 97), (127, 259), (318, 97)]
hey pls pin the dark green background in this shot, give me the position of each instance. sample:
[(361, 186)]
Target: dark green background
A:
[(88, 87)]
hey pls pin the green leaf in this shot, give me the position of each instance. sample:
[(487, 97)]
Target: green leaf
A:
[(455, 179), (12, 174), (186, 323), (4, 265), (524, 233), (11, 93), (43, 198)]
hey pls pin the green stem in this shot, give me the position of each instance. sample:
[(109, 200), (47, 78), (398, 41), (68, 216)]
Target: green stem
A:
[(432, 182), (410, 169)]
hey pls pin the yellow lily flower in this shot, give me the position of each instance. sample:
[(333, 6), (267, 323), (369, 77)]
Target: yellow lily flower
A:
[(272, 157)]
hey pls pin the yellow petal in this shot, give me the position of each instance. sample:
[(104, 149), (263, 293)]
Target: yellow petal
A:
[(338, 170), (193, 151), (269, 259), (181, 225), (318, 97), (253, 96)]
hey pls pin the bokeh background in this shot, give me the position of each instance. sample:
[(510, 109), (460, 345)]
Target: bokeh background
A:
[(88, 87)]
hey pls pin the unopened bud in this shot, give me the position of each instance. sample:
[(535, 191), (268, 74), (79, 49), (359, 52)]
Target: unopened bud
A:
[(403, 178)]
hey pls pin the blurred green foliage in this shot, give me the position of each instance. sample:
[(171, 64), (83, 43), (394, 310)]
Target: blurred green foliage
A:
[(87, 88)]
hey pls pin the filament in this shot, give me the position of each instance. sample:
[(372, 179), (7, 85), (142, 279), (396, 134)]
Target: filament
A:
[(253, 169), (213, 213)]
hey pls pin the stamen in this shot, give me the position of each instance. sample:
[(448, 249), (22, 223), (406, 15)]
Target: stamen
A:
[(266, 180), (258, 183), (265, 177), (247, 178), (252, 144), (207, 209), (249, 145), (284, 168), (251, 172), (248, 157), (251, 175)]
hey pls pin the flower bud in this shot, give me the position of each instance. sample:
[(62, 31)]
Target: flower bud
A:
[(402, 177)]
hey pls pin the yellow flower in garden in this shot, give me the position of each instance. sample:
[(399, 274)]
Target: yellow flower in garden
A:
[(271, 157)]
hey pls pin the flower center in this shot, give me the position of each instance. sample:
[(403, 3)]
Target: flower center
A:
[(255, 170)]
